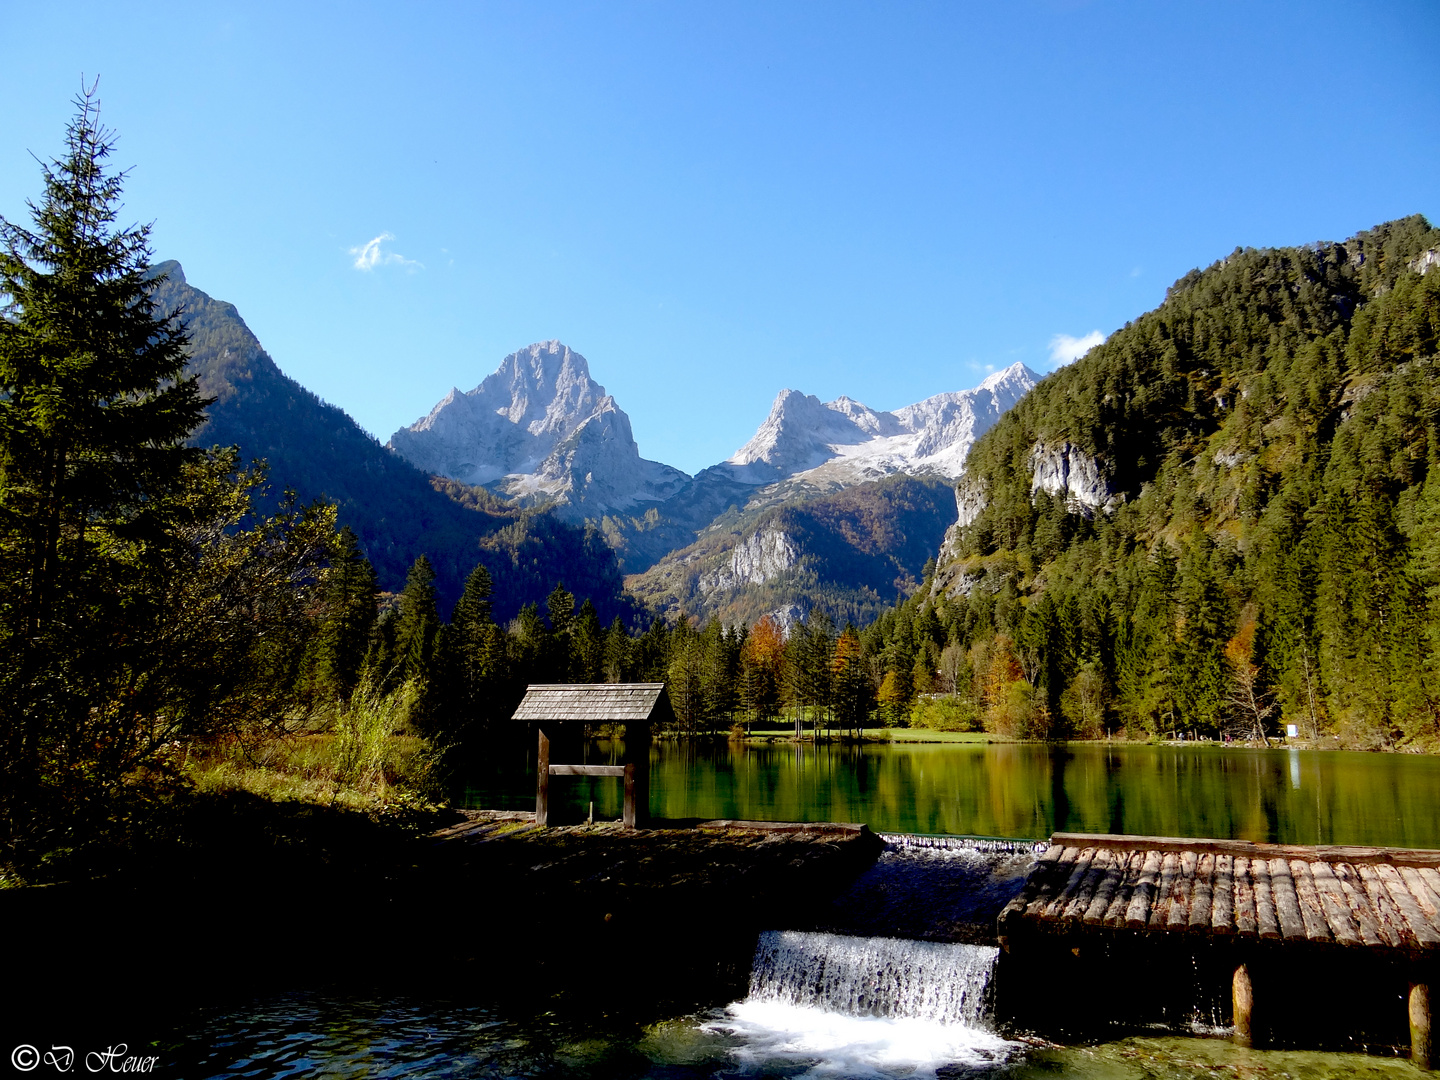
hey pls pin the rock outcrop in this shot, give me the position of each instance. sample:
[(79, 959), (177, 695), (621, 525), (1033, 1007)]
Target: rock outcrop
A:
[(1069, 473), (541, 430), (762, 556)]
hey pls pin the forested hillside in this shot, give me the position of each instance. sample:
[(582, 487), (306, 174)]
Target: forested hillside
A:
[(847, 553), (395, 510), (1224, 518)]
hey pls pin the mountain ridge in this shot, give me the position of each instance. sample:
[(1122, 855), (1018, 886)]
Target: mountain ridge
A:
[(540, 429), (317, 450)]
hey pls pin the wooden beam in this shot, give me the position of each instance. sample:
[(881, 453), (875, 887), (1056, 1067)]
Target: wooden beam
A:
[(1242, 997), (628, 814), (1420, 1024), (1329, 853), (542, 782), (588, 770)]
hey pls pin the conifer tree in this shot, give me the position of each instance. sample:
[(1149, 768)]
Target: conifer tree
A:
[(338, 649), (418, 626), (94, 411)]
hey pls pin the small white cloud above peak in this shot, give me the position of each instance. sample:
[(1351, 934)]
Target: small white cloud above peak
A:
[(1064, 348), (369, 256)]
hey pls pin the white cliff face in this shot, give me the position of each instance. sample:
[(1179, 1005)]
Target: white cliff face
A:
[(970, 501), (1426, 261), (845, 442), (1071, 474), (540, 427), (764, 554)]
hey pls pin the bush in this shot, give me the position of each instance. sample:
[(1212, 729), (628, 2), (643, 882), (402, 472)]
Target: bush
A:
[(946, 714)]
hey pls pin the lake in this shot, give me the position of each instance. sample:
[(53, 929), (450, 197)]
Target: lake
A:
[(1017, 789)]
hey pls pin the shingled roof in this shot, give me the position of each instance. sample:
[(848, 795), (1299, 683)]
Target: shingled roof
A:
[(595, 702)]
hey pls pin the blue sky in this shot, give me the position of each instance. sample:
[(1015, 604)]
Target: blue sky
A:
[(715, 201)]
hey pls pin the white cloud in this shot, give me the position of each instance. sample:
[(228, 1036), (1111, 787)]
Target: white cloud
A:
[(1064, 348), (369, 256)]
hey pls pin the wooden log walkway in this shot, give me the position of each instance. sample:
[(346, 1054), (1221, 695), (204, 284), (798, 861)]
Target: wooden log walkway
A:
[(1359, 897), (1254, 898)]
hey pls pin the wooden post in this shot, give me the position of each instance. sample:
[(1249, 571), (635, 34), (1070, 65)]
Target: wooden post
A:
[(640, 756), (542, 782), (628, 815), (1242, 993), (1420, 1024)]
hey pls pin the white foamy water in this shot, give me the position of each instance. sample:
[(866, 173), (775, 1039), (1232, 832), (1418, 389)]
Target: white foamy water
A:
[(829, 1005), (886, 977)]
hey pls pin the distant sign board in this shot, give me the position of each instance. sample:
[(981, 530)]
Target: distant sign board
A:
[(1292, 731)]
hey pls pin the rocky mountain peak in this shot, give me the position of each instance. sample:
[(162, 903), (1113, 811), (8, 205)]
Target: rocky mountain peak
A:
[(540, 428), (844, 441)]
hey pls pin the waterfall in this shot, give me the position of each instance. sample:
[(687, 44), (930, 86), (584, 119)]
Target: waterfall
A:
[(885, 977), (986, 845)]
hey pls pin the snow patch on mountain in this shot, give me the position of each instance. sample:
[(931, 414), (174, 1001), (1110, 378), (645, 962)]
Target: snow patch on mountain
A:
[(843, 442)]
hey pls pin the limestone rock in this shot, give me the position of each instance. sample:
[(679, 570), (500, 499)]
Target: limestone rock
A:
[(540, 429), (1068, 472)]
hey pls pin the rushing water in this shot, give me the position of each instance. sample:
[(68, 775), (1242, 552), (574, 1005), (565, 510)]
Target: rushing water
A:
[(1020, 790), (870, 976)]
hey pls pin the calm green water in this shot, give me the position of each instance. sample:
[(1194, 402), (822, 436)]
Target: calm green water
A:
[(1022, 790)]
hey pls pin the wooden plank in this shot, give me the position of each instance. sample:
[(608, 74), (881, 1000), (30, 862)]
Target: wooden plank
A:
[(1428, 904), (1222, 896), (1137, 914), (1160, 910), (1353, 855), (1335, 905), (1244, 898), (1057, 875), (1106, 888), (1267, 916), (1287, 904), (1017, 907), (1431, 880), (1124, 888), (1080, 902), (1420, 927), (1394, 929), (1182, 891), (1078, 871), (1316, 928), (587, 770), (1367, 922), (1202, 892)]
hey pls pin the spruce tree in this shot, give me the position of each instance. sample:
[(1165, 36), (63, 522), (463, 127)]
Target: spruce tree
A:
[(418, 627), (94, 412), (343, 635)]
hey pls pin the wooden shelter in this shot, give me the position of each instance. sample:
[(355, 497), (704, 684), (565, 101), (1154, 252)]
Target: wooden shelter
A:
[(1381, 901), (561, 714)]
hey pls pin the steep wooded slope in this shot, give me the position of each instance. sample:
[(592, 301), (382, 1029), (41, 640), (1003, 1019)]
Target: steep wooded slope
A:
[(848, 553), (316, 450), (1233, 497)]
